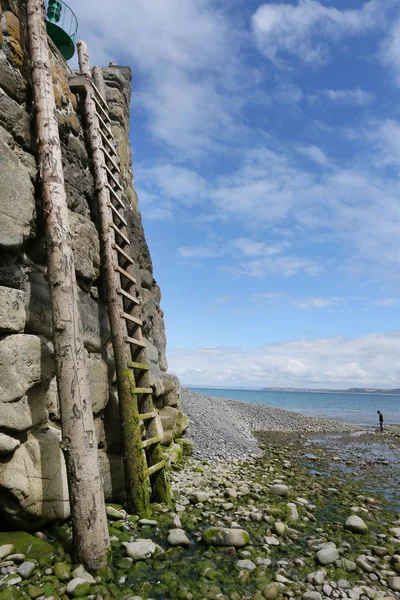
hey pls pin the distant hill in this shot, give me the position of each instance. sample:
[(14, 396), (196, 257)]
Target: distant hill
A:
[(328, 391)]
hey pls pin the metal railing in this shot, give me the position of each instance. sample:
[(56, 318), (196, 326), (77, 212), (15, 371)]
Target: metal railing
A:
[(60, 14)]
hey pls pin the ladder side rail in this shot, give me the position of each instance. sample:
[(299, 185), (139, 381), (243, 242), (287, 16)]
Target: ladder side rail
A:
[(91, 538), (159, 482), (138, 500)]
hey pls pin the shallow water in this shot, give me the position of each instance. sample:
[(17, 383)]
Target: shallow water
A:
[(357, 409), (374, 462)]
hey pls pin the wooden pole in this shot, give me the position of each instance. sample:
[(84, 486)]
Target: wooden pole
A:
[(138, 497), (79, 444)]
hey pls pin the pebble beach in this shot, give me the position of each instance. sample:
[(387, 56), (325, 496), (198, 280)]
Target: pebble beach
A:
[(270, 505)]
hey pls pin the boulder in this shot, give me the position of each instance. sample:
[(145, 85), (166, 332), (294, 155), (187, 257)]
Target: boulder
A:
[(33, 484), (218, 536), (356, 525), (169, 417), (8, 444), (12, 310), (26, 544), (17, 210), (25, 360)]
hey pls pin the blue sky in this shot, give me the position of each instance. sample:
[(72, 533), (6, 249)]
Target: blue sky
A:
[(266, 142)]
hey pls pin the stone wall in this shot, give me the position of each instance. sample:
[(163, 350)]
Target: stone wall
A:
[(33, 487)]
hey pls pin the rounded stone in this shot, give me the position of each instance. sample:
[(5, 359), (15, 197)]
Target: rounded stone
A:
[(246, 564), (355, 524), (77, 588), (279, 489), (394, 584), (271, 591), (328, 555), (177, 537), (218, 536)]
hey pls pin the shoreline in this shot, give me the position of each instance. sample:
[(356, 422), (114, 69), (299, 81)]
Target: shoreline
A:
[(223, 428)]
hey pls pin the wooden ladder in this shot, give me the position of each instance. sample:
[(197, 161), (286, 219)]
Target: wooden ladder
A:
[(143, 457)]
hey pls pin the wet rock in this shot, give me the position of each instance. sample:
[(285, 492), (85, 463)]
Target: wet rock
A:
[(81, 573), (247, 565), (140, 550), (217, 536), (26, 569), (178, 537), (356, 525), (77, 588)]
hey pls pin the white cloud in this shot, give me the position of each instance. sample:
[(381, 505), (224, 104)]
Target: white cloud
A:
[(314, 153), (390, 50), (314, 302), (338, 362), (282, 266), (287, 93), (183, 57), (356, 96), (386, 302), (304, 30)]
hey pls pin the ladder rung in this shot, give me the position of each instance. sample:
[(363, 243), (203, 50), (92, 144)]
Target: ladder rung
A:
[(134, 341), (150, 441), (96, 89), (140, 366), (117, 214), (106, 127), (142, 390), (124, 273), (112, 161), (103, 110), (128, 296), (133, 319), (107, 141), (146, 416), (114, 179), (154, 468), (115, 195), (124, 254), (119, 232)]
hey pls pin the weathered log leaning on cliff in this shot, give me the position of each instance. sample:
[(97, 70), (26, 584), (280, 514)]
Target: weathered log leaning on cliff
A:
[(79, 443), (33, 481)]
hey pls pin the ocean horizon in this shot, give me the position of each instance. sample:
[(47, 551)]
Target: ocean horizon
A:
[(355, 408)]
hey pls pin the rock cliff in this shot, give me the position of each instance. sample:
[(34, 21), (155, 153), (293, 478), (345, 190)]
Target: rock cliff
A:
[(33, 487)]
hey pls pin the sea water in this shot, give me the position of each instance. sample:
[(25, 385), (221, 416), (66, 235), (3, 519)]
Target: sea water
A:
[(358, 409)]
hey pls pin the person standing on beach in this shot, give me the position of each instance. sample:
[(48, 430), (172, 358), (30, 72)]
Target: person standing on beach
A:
[(380, 419)]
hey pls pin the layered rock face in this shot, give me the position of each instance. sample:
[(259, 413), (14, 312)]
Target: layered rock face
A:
[(33, 487)]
